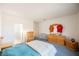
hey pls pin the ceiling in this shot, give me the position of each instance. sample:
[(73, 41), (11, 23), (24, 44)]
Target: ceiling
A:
[(42, 11)]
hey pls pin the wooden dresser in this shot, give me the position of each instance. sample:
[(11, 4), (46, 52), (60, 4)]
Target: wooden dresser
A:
[(56, 38), (30, 36)]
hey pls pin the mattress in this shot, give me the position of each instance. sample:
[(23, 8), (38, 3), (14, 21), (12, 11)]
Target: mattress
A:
[(44, 48), (33, 48), (21, 49)]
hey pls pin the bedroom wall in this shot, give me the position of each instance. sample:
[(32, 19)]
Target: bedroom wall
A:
[(78, 26), (36, 27), (0, 19), (70, 24), (9, 19), (0, 23)]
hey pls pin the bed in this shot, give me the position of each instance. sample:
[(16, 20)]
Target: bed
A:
[(33, 48)]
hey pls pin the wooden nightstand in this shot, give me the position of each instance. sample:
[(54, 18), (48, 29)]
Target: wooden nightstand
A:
[(3, 46), (71, 45), (30, 36)]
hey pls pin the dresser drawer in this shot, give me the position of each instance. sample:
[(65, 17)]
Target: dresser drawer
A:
[(60, 41), (51, 39), (56, 38)]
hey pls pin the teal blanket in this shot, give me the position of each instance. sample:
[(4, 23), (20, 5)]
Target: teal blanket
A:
[(20, 50)]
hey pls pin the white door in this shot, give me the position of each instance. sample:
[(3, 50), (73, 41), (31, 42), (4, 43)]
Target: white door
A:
[(18, 28)]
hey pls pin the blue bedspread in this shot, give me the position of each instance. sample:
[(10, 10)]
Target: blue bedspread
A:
[(20, 50)]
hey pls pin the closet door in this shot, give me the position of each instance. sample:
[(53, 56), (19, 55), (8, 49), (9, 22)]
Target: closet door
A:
[(18, 29)]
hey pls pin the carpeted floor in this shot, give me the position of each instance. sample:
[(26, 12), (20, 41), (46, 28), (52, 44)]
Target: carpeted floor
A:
[(0, 53), (64, 51)]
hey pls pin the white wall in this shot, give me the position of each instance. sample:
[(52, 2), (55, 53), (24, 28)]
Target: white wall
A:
[(0, 23), (78, 26), (0, 20), (9, 20), (36, 27), (70, 24)]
